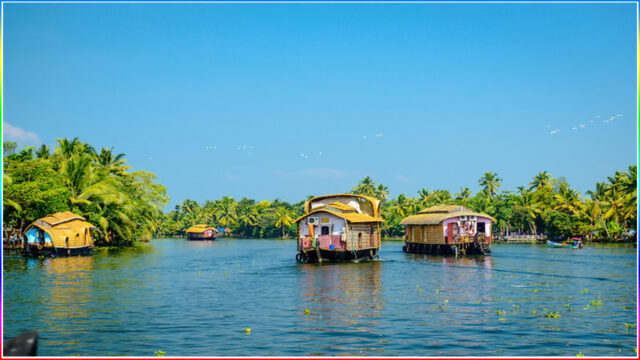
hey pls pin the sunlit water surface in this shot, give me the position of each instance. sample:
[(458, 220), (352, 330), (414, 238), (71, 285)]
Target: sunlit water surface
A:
[(196, 299)]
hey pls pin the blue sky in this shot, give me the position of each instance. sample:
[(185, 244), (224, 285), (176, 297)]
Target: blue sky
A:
[(287, 100)]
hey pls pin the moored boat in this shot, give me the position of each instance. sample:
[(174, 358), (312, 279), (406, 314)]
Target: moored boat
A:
[(60, 234), (201, 232), (341, 227), (576, 244), (448, 229)]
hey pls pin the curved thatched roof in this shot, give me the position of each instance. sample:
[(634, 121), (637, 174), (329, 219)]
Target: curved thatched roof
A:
[(200, 228), (373, 202), (439, 213), (62, 224), (352, 217)]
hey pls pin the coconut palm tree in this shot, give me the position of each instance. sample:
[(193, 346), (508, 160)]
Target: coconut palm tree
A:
[(540, 181), (115, 164), (464, 195), (424, 197), (283, 218), (43, 152), (490, 183), (227, 211), (86, 183), (382, 192), (365, 187)]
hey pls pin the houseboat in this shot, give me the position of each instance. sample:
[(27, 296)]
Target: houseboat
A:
[(448, 229), (201, 232), (60, 234), (341, 227)]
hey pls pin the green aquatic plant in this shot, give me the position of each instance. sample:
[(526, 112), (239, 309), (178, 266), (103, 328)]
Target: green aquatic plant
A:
[(307, 312), (628, 325), (570, 309), (159, 353), (596, 302), (624, 307), (247, 330), (533, 312), (535, 290), (500, 312), (516, 306), (552, 315), (502, 319), (566, 305), (580, 354), (586, 290)]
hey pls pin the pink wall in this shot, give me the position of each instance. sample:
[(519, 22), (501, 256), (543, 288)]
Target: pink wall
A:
[(484, 220)]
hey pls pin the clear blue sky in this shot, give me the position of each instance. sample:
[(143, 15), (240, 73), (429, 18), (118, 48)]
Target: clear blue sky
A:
[(224, 99)]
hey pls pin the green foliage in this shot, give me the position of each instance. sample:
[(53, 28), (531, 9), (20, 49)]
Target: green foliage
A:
[(126, 207)]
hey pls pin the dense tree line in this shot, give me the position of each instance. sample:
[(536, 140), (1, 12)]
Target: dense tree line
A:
[(125, 205), (545, 206)]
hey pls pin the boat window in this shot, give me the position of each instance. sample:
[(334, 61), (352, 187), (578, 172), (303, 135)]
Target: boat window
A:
[(324, 230)]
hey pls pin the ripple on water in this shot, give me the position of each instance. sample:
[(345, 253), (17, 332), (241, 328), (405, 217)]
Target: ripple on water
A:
[(196, 298)]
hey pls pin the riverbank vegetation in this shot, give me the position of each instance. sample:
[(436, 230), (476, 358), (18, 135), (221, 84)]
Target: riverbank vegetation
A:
[(546, 205), (125, 205)]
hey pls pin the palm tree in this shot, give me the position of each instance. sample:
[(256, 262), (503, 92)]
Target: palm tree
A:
[(86, 183), (568, 200), (540, 181), (283, 218), (114, 164), (226, 211), (43, 152), (490, 183), (402, 206), (382, 192), (365, 187), (424, 197), (464, 195)]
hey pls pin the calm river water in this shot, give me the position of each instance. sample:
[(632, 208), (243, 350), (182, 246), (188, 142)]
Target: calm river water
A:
[(196, 298)]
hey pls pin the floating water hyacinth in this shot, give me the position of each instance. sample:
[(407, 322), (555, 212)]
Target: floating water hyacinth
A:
[(570, 309), (159, 353), (533, 312), (596, 302), (500, 312), (624, 307), (307, 312), (586, 290), (628, 325), (247, 330), (535, 290), (580, 354), (552, 315), (516, 306)]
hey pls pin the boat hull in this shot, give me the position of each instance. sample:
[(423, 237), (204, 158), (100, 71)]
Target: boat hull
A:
[(200, 238), (558, 245), (472, 248), (50, 251), (327, 255)]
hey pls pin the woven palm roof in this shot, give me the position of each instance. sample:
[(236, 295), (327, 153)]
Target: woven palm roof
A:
[(439, 213), (200, 228), (375, 203), (350, 217), (62, 224), (60, 217)]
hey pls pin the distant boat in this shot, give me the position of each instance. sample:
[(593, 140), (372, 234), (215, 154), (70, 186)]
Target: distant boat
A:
[(576, 244), (201, 232)]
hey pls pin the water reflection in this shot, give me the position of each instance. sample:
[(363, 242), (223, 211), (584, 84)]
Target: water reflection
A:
[(342, 298)]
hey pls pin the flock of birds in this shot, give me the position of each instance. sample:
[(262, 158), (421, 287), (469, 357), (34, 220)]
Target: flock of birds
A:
[(582, 126), (248, 148)]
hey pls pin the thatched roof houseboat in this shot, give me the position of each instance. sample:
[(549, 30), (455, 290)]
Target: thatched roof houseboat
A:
[(339, 227), (201, 232), (60, 234), (448, 229)]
